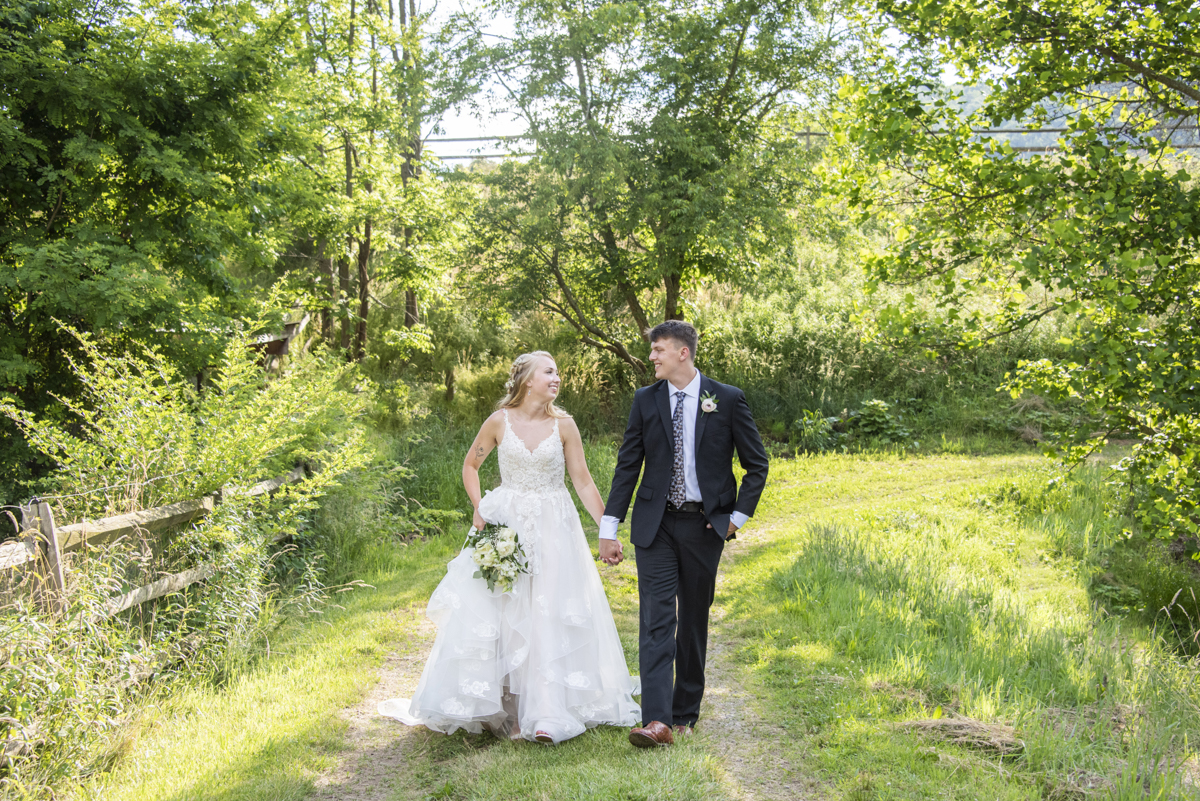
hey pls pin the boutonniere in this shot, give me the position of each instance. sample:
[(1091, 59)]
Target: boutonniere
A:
[(708, 402)]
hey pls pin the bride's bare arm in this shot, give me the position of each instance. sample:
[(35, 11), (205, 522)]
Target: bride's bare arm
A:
[(485, 442), (581, 477)]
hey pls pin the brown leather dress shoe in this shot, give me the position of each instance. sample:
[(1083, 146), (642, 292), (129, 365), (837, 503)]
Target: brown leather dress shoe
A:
[(681, 730), (652, 734)]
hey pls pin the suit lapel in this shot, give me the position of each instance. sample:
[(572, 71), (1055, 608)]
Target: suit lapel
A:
[(701, 417), (664, 409)]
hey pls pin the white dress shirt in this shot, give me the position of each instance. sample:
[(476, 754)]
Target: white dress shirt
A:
[(691, 486)]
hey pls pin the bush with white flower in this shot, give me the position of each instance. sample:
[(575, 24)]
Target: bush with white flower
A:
[(498, 554)]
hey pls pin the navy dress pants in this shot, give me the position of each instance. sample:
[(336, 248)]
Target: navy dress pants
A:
[(677, 576)]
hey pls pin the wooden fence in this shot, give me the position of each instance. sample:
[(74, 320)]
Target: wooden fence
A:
[(39, 549)]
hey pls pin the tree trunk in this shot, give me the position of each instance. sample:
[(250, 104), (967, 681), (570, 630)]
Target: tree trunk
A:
[(344, 296), (635, 308), (449, 384), (411, 311), (329, 282), (344, 261), (672, 283), (411, 168), (364, 293)]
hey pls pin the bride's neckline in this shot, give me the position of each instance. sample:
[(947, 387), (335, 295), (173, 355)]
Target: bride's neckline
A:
[(509, 429)]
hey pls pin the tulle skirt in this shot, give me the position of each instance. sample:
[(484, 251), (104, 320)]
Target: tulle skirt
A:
[(544, 656)]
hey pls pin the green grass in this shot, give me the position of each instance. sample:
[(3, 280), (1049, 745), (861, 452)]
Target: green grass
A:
[(904, 589), (871, 590), (268, 732)]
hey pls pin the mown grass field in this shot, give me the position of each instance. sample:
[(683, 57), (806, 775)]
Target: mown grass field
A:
[(869, 591), (891, 590)]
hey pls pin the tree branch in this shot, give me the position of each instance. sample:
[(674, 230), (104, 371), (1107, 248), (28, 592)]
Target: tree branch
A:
[(614, 346), (733, 68)]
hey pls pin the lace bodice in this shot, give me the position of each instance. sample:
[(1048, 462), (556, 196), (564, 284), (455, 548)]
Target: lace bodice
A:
[(531, 471)]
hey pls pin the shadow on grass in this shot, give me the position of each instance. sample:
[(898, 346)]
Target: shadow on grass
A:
[(928, 625), (853, 628), (268, 730)]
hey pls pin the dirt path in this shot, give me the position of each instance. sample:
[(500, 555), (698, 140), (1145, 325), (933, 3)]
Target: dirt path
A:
[(375, 762), (380, 753), (732, 725)]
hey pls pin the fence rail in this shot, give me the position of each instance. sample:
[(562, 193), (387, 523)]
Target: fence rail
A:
[(41, 545)]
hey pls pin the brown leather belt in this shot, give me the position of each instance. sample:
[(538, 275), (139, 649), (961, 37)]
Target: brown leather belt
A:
[(687, 506)]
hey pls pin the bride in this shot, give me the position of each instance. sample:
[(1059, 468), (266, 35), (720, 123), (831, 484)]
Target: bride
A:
[(543, 661)]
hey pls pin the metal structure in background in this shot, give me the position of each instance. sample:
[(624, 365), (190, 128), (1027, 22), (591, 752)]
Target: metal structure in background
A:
[(810, 135)]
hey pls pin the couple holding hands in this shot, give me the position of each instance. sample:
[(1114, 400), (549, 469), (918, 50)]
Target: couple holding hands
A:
[(542, 660)]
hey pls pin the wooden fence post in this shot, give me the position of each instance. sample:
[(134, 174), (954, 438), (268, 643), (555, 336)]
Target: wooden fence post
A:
[(52, 591)]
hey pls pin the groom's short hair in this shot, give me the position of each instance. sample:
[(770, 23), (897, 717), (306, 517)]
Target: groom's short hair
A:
[(682, 332)]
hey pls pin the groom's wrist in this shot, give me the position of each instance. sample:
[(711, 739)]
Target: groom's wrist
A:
[(608, 527)]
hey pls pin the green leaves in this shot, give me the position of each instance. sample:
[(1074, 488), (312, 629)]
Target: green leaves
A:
[(668, 152), (142, 430), (1102, 228), (128, 145)]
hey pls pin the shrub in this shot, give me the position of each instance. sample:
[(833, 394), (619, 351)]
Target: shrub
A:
[(1162, 475), (813, 433), (875, 421), (142, 436)]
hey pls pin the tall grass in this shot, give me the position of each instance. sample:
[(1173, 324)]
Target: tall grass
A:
[(816, 350), (1127, 573), (142, 436), (935, 603)]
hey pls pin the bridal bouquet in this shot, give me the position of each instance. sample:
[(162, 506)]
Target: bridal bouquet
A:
[(498, 555)]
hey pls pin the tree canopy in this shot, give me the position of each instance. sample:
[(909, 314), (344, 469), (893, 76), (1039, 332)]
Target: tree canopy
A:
[(1102, 227), (667, 150)]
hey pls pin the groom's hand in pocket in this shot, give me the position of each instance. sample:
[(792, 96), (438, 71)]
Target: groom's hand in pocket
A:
[(729, 535), (610, 552)]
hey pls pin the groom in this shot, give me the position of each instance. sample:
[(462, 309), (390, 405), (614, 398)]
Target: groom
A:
[(684, 430)]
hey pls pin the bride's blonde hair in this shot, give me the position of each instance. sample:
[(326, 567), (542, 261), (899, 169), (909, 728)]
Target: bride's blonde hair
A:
[(517, 386)]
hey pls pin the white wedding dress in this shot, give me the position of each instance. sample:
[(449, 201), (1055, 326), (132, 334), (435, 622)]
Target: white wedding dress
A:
[(545, 656)]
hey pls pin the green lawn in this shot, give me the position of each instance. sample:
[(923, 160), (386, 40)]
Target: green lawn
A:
[(890, 590), (867, 592)]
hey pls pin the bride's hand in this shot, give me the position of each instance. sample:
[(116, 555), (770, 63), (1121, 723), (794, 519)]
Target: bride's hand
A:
[(611, 552), (478, 521)]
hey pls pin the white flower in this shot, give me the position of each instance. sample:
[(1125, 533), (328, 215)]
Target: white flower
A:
[(708, 405), (485, 555), (506, 548)]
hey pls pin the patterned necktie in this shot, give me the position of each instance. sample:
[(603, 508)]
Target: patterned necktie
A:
[(677, 495)]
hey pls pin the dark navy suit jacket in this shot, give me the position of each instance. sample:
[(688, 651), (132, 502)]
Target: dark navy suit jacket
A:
[(650, 443)]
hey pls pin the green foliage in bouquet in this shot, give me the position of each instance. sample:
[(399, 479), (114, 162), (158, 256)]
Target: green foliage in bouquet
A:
[(499, 555)]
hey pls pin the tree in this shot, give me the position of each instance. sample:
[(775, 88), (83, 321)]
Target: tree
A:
[(667, 152), (127, 151), (1103, 229), (360, 95)]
